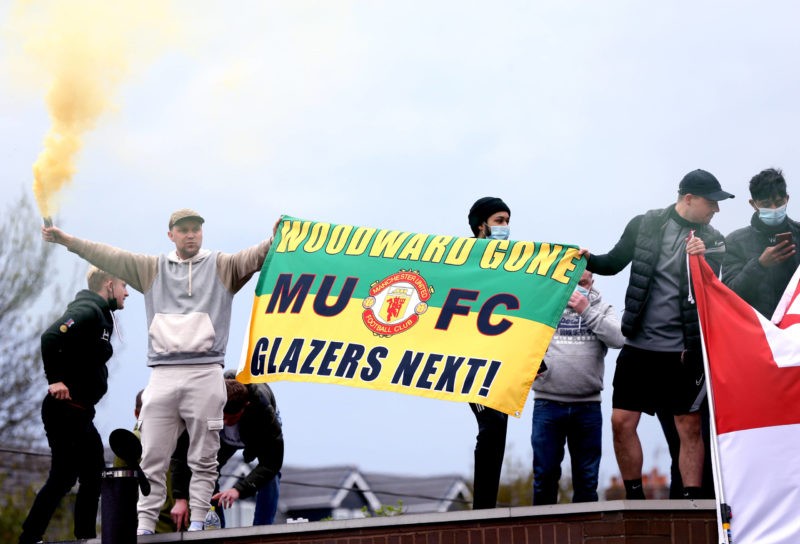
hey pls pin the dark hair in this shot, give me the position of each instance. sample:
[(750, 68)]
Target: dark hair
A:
[(768, 184), (237, 397)]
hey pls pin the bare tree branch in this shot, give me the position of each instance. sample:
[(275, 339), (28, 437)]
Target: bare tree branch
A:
[(26, 277)]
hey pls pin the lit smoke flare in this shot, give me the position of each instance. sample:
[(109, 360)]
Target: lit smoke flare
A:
[(86, 48)]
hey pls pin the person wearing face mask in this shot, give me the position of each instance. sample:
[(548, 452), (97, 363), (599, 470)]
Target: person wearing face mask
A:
[(566, 407), (758, 262), (75, 349), (488, 218)]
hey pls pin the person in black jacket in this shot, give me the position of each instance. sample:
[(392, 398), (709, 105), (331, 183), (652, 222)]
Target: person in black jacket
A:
[(758, 263), (252, 423), (660, 366), (75, 349), (488, 218)]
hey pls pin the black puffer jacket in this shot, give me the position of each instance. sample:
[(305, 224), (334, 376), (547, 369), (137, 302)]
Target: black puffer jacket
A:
[(76, 347), (760, 287), (640, 245)]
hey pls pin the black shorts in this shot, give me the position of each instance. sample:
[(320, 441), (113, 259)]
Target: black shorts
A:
[(650, 381)]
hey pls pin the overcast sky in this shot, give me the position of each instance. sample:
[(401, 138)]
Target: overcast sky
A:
[(579, 115)]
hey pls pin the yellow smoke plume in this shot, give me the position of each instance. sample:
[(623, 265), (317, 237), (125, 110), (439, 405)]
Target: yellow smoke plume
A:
[(85, 48)]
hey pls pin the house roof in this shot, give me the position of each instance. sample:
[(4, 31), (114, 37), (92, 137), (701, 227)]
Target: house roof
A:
[(323, 487), (437, 493), (331, 487)]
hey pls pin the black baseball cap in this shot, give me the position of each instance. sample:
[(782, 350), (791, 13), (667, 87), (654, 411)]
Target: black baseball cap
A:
[(701, 183)]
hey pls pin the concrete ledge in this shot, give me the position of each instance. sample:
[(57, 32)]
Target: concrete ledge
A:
[(609, 522)]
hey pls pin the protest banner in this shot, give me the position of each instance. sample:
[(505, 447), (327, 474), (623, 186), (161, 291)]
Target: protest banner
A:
[(461, 319)]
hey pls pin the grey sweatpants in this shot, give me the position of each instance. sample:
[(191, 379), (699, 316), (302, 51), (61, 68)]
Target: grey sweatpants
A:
[(179, 397)]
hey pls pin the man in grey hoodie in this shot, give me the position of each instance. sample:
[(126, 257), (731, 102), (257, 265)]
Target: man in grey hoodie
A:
[(567, 396), (188, 295)]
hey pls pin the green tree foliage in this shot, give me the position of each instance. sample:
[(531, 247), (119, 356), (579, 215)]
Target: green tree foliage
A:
[(516, 489), (385, 510), (14, 506)]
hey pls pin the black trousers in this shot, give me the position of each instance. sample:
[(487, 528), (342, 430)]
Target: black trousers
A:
[(77, 455), (490, 447)]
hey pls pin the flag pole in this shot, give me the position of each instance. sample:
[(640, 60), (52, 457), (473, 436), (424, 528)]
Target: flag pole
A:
[(723, 510)]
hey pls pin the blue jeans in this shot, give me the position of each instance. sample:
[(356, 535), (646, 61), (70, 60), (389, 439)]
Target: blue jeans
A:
[(578, 425), (267, 502)]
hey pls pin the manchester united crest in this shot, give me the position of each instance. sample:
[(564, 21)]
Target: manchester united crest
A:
[(395, 303)]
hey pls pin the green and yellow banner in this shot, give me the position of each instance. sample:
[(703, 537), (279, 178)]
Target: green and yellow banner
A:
[(460, 319)]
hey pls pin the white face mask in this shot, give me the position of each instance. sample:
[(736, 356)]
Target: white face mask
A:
[(499, 232), (772, 216), (583, 291)]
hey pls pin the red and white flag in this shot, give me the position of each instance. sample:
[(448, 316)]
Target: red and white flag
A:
[(755, 382)]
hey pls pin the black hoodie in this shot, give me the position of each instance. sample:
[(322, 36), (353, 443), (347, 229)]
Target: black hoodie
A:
[(76, 347)]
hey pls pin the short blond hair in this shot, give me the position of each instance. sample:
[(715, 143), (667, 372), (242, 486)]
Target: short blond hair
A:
[(95, 278)]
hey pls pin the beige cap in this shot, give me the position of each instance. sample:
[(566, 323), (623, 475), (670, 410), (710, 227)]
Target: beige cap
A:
[(184, 213)]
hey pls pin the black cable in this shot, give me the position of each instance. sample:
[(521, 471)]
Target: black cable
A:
[(284, 481)]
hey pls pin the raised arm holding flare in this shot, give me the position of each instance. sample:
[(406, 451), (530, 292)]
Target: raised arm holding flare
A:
[(188, 297)]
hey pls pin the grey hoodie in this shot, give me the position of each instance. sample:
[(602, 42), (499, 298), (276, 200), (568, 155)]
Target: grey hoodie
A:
[(575, 357), (188, 303)]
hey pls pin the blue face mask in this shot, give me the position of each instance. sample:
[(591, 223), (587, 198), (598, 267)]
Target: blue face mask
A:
[(499, 232), (772, 216), (582, 291)]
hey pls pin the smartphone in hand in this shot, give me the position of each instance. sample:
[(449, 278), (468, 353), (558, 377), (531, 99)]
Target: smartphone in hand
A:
[(783, 237)]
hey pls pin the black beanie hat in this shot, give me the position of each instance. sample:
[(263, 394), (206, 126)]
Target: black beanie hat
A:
[(483, 209)]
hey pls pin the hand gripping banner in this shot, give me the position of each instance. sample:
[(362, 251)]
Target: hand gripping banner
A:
[(460, 319)]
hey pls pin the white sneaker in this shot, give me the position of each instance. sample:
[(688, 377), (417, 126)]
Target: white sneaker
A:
[(195, 526), (142, 532)]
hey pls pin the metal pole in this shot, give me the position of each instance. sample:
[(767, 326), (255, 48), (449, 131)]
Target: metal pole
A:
[(119, 492), (723, 510)]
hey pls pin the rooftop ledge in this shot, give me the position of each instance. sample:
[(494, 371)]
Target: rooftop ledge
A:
[(597, 521)]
